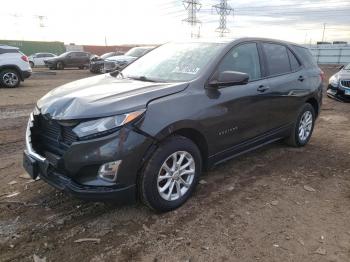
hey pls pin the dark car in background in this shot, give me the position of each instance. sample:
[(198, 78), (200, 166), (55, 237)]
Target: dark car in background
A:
[(69, 60), (97, 62), (339, 84), (119, 62), (148, 131)]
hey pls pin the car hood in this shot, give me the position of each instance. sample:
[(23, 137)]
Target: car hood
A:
[(344, 74), (121, 58), (101, 96)]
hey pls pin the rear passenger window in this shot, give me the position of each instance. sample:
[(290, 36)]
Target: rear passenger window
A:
[(277, 59), (244, 59), (306, 56), (294, 63)]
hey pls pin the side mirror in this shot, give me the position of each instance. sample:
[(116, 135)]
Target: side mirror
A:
[(229, 78), (341, 67)]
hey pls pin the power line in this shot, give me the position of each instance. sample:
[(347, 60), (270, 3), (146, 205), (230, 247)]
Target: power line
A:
[(223, 10)]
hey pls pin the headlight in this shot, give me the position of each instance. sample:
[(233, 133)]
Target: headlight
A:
[(334, 81), (106, 124)]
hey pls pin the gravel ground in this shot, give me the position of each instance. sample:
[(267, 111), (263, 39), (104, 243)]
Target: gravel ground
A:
[(275, 204)]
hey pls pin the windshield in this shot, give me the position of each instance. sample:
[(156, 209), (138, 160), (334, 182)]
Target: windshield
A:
[(64, 54), (136, 51), (173, 62), (347, 67)]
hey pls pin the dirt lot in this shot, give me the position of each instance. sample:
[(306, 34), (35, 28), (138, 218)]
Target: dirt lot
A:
[(275, 204)]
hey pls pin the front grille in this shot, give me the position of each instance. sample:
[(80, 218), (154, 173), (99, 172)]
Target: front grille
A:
[(345, 83), (49, 135)]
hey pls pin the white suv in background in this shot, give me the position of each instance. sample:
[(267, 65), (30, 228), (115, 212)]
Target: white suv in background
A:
[(14, 66), (38, 59)]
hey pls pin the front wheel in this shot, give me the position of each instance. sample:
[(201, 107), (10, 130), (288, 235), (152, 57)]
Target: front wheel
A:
[(171, 175), (303, 127)]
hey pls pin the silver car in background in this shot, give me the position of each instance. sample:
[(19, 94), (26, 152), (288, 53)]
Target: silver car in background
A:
[(339, 84)]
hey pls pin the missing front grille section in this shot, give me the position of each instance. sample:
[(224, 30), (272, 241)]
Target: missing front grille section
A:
[(49, 135)]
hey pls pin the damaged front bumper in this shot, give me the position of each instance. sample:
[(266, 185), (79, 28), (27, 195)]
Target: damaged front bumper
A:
[(76, 171)]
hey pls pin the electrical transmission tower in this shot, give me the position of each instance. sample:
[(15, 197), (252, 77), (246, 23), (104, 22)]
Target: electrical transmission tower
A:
[(223, 9), (41, 19), (192, 6)]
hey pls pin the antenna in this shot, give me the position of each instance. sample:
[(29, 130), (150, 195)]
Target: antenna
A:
[(223, 10), (192, 6)]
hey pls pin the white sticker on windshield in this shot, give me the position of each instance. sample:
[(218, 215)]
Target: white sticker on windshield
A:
[(186, 70)]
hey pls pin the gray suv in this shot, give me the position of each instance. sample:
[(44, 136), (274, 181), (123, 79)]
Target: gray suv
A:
[(148, 131)]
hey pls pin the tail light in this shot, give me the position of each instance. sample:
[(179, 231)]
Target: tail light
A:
[(24, 58), (323, 76)]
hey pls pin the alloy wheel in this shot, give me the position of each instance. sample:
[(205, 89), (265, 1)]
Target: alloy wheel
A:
[(176, 175), (305, 126), (10, 79)]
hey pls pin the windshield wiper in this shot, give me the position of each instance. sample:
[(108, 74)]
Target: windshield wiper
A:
[(142, 78)]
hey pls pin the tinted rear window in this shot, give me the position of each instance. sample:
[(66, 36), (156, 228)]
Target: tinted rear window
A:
[(5, 51), (277, 59), (306, 57)]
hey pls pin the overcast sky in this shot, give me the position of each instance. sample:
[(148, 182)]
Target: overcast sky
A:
[(158, 21)]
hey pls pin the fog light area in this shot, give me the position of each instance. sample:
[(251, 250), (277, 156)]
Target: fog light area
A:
[(109, 171)]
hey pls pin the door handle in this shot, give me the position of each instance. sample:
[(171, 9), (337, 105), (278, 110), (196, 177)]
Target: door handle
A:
[(262, 88), (301, 78)]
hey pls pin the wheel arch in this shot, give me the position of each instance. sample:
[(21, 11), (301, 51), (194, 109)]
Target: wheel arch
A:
[(312, 101), (190, 130), (13, 67)]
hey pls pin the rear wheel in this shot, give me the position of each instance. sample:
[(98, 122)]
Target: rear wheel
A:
[(9, 78), (171, 175), (31, 64), (303, 127)]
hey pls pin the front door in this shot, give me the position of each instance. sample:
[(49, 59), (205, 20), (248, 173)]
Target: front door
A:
[(242, 110)]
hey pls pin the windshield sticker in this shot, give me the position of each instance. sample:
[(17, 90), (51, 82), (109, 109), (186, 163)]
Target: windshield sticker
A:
[(192, 70)]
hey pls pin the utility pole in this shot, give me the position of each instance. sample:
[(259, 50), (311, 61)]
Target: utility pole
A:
[(192, 6), (324, 29), (223, 10)]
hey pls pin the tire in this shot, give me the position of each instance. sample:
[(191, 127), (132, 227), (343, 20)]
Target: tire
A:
[(81, 67), (298, 138), (9, 78), (60, 66), (162, 159), (31, 64)]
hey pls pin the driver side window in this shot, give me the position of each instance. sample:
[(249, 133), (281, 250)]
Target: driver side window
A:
[(243, 58)]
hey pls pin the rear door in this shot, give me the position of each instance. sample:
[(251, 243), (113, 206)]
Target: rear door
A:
[(243, 108), (39, 60), (83, 59), (286, 82)]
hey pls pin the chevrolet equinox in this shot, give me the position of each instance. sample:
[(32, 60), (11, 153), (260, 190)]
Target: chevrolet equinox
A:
[(148, 131)]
